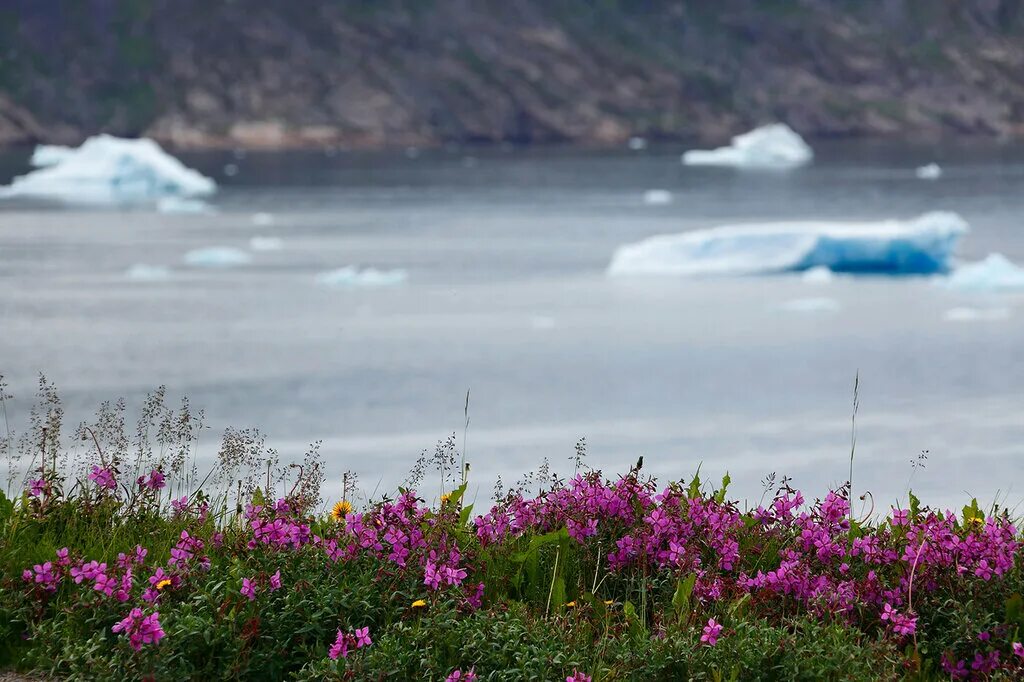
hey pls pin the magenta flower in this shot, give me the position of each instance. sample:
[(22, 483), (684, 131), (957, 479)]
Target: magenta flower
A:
[(275, 581), (1018, 649), (578, 676), (249, 588), (711, 632), (38, 487), (103, 477), (140, 629), (340, 646), (155, 481), (363, 637), (458, 675)]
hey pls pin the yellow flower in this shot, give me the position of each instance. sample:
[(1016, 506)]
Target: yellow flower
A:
[(162, 584), (341, 509), (570, 604), (608, 602), (419, 604), (445, 498)]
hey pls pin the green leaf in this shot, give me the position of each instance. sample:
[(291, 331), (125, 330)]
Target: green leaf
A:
[(465, 514), (681, 598), (915, 506), (1015, 610), (720, 493), (694, 490)]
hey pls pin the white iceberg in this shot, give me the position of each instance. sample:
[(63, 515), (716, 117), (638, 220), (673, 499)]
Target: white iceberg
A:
[(217, 257), (182, 205), (109, 170), (142, 272), (995, 273), (771, 146), (352, 276), (923, 245), (811, 305), (262, 219), (49, 155), (637, 143), (932, 171), (819, 274), (266, 243), (657, 197), (977, 314)]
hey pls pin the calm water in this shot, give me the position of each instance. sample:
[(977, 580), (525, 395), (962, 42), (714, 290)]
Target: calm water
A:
[(506, 296)]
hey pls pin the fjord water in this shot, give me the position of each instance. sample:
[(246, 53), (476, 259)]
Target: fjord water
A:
[(506, 295)]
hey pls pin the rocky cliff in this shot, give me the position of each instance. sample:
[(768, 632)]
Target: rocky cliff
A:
[(279, 73)]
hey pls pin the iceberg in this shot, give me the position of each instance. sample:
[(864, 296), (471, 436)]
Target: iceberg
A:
[(352, 276), (771, 146), (266, 243), (923, 245), (49, 155), (181, 205), (142, 272), (930, 172), (217, 257), (657, 197), (108, 170), (637, 143), (995, 273), (819, 274)]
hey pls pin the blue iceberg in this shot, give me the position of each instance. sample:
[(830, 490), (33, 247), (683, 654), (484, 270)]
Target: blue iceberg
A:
[(920, 246), (995, 273)]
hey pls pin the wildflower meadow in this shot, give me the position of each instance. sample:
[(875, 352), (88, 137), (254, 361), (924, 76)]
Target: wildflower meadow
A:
[(121, 559)]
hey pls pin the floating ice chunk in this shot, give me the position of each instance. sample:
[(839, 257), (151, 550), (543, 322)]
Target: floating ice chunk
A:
[(930, 172), (977, 314), (657, 197), (142, 272), (770, 146), (266, 243), (262, 219), (811, 305), (995, 273), (352, 276), (217, 257), (231, 169), (181, 205), (110, 170), (896, 247), (819, 274), (49, 155), (637, 143)]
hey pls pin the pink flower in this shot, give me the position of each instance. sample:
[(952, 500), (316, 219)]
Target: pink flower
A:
[(363, 637), (103, 477), (710, 633), (155, 481), (38, 487), (1018, 649), (249, 588), (578, 676), (340, 646), (140, 629), (459, 676), (275, 581)]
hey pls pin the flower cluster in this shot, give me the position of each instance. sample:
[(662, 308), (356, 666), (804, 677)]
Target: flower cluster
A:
[(348, 640), (140, 629), (103, 477)]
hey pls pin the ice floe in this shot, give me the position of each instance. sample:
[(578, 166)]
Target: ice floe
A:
[(820, 274), (995, 273), (141, 272), (353, 276), (923, 245), (770, 146), (109, 170), (217, 257), (637, 143), (932, 171), (811, 305), (657, 197), (262, 219), (977, 314), (182, 205), (266, 243), (49, 154)]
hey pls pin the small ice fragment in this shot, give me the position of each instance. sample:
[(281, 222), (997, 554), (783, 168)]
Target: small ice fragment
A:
[(770, 146), (811, 305), (266, 243), (141, 272), (637, 143), (977, 314), (353, 276), (995, 273), (930, 172), (180, 205), (217, 257), (657, 197), (818, 275), (230, 170), (262, 219), (49, 155)]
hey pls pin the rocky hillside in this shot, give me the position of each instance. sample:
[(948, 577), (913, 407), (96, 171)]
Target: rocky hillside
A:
[(270, 73)]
